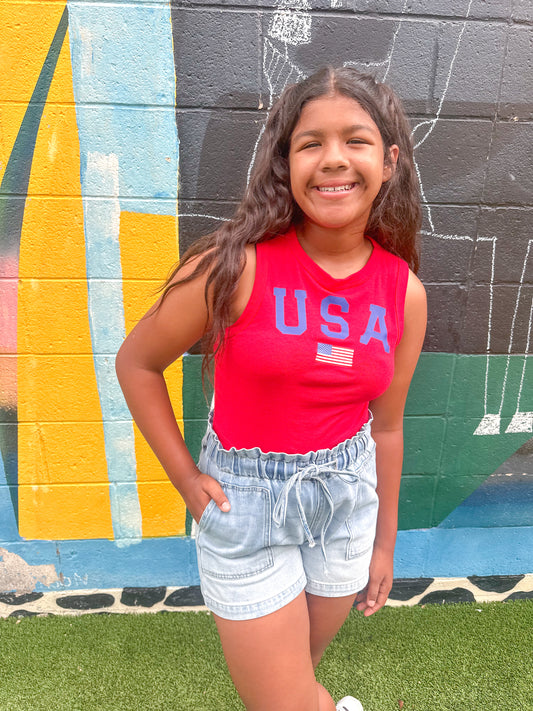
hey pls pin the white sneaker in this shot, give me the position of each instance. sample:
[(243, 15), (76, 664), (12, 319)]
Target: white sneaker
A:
[(349, 704)]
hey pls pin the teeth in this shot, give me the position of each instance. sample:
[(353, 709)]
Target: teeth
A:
[(337, 189)]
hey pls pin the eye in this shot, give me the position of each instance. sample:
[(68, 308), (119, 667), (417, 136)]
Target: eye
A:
[(311, 144), (356, 141)]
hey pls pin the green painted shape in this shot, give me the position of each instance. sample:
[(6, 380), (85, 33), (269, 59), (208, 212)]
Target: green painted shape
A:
[(417, 493), (424, 438), (429, 393), (465, 459), (195, 411), (444, 460), (13, 192)]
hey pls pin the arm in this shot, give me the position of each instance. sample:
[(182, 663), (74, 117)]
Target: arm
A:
[(387, 431), (166, 332)]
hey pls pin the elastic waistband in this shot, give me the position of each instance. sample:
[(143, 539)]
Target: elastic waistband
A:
[(279, 465)]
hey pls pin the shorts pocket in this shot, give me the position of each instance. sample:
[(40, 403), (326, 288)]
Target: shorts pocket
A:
[(237, 544), (361, 523)]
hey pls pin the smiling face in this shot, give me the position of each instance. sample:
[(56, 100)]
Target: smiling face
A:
[(337, 164)]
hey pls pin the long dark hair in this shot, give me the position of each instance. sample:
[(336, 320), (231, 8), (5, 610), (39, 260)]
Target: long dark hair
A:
[(268, 208)]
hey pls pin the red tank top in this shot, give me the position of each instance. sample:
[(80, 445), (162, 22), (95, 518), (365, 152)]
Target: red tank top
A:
[(309, 352)]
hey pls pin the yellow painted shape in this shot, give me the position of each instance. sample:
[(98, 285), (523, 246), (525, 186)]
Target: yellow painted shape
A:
[(58, 253), (163, 510), (148, 248), (57, 388), (55, 166), (61, 438), (53, 316), (51, 445), (54, 516), (26, 36)]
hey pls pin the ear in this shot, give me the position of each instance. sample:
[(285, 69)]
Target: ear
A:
[(390, 164)]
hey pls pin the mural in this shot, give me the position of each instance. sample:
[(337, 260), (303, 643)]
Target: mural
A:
[(89, 214)]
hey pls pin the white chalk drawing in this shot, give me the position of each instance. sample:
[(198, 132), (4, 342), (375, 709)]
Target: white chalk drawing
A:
[(290, 27), (291, 23)]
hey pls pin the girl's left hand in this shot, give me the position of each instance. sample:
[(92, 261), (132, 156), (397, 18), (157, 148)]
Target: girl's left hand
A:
[(375, 594)]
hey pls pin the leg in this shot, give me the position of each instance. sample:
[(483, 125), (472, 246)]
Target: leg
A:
[(270, 661), (326, 617)]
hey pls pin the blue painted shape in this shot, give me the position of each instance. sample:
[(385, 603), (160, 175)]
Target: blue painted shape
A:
[(441, 552), (502, 500), (123, 51), (8, 522), (124, 87), (101, 564)]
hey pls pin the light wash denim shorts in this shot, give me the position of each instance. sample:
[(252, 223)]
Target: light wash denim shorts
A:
[(297, 522)]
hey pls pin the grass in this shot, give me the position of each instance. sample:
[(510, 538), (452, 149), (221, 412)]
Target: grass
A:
[(468, 657)]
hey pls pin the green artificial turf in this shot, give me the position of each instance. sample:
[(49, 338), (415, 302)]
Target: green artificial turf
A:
[(466, 657)]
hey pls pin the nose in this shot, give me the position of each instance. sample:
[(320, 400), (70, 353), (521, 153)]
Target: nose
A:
[(334, 156)]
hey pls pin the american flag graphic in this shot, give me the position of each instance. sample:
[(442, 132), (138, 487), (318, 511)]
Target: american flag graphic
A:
[(326, 353)]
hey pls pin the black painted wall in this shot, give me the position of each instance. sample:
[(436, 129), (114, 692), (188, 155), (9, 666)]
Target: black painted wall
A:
[(464, 71)]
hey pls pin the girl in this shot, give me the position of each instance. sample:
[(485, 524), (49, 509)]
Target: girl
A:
[(314, 323)]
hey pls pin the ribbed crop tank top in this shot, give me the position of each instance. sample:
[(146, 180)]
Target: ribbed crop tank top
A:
[(309, 352)]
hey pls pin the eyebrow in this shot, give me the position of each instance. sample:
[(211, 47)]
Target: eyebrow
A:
[(349, 129)]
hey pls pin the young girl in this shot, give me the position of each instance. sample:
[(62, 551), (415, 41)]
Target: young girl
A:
[(314, 323)]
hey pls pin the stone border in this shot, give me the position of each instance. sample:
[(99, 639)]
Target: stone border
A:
[(416, 591)]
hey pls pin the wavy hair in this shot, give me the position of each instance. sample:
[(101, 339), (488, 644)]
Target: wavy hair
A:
[(268, 209)]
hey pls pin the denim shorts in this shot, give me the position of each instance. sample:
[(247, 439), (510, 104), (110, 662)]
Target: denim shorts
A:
[(297, 522)]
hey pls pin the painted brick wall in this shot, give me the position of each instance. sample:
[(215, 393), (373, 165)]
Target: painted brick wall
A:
[(103, 106)]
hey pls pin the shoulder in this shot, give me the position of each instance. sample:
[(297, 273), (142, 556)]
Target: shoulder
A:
[(415, 292), (245, 285), (415, 310)]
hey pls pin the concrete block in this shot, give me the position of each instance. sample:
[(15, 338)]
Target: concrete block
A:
[(468, 68), (225, 3), (217, 57), (423, 444), (216, 152), (516, 93), (430, 388), (340, 39), (200, 217), (452, 158), (123, 54), (512, 252), (416, 501), (445, 255), (509, 177), (522, 10), (447, 8), (508, 332), (450, 492), (446, 304), (412, 64)]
